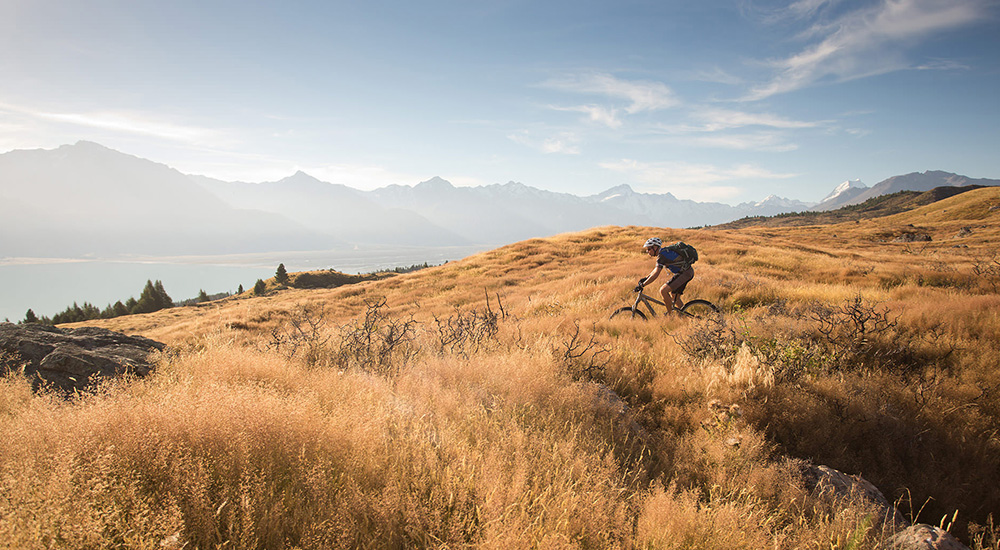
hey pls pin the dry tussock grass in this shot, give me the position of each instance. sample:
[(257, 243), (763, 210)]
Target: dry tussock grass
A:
[(558, 428)]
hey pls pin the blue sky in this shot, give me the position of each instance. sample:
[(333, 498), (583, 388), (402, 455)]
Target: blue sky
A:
[(716, 101)]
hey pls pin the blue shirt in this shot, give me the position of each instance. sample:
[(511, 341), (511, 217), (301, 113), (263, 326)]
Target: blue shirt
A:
[(671, 260)]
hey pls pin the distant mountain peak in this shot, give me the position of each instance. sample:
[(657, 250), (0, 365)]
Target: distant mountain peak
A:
[(774, 201), (434, 183), (618, 191), (844, 188)]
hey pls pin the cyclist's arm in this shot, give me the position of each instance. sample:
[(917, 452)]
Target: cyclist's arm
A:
[(653, 275)]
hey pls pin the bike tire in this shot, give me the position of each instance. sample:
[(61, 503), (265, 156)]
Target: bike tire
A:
[(628, 312), (699, 309)]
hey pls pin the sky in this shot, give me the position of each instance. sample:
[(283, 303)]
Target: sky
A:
[(714, 100)]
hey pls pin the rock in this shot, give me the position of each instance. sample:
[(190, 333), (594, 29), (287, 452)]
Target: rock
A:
[(72, 359), (925, 537), (913, 238), (618, 409), (831, 483)]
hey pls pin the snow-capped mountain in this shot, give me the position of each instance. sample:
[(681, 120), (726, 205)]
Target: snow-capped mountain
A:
[(918, 181), (841, 195), (773, 205), (88, 199)]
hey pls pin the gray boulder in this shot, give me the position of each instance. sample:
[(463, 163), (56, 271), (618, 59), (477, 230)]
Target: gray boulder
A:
[(72, 359), (830, 483), (925, 537)]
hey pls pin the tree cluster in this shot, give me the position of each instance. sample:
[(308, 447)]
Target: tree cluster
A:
[(153, 298)]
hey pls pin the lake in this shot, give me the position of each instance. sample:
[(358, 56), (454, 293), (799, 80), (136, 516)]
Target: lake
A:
[(48, 286)]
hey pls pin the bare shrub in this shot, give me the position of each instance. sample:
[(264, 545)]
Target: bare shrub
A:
[(711, 338), (469, 332), (304, 332), (584, 357), (377, 343), (987, 269), (859, 333)]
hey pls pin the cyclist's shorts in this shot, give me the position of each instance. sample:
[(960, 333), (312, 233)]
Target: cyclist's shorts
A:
[(680, 281)]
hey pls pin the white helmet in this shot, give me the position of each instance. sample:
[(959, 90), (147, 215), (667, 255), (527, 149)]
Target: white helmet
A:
[(655, 241)]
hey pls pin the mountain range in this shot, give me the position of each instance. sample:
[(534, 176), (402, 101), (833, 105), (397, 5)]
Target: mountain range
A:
[(86, 199)]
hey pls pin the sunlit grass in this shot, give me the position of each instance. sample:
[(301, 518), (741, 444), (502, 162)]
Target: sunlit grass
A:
[(561, 428)]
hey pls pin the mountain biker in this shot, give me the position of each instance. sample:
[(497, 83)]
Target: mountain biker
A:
[(665, 258)]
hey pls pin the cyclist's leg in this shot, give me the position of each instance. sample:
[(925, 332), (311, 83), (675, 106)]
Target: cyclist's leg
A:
[(676, 287)]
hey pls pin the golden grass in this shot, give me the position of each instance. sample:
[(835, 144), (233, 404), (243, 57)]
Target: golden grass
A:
[(635, 437)]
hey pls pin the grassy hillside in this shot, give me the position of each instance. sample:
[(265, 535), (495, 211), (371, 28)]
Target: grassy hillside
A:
[(490, 403), (877, 207)]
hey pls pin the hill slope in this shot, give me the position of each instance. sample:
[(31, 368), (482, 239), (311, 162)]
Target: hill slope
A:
[(489, 402), (877, 207)]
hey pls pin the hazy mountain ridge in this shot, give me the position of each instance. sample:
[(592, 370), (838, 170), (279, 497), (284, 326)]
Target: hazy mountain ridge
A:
[(86, 199), (920, 181)]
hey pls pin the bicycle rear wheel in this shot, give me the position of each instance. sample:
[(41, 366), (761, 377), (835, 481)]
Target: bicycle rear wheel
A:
[(629, 313), (699, 309)]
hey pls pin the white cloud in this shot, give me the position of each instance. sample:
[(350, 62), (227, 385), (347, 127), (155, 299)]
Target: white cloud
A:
[(763, 141), (691, 181), (638, 96), (723, 119), (866, 42), (566, 143), (595, 113), (115, 122)]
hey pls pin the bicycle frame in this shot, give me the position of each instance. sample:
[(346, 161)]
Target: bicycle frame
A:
[(646, 299)]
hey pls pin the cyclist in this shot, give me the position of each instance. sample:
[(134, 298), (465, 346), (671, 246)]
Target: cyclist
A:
[(682, 270)]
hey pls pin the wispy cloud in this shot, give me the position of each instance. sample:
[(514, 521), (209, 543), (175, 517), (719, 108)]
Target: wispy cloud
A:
[(714, 127), (134, 123), (689, 180), (123, 122), (762, 141), (566, 143), (635, 96), (865, 42), (713, 119)]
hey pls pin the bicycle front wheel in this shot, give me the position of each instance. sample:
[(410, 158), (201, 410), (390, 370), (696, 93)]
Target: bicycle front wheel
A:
[(699, 309), (628, 312)]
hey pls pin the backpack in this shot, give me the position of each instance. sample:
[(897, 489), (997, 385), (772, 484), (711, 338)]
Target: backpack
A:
[(685, 251)]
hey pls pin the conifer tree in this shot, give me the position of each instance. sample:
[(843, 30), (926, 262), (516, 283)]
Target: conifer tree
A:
[(30, 317), (281, 276), (163, 299), (259, 288)]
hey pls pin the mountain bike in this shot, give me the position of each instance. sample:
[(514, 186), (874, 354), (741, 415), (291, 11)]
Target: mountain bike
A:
[(695, 309)]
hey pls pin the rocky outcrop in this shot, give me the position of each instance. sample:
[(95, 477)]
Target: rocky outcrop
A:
[(925, 537), (72, 359), (830, 483)]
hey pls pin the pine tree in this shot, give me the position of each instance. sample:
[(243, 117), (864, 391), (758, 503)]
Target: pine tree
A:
[(30, 317), (163, 299), (281, 276), (240, 290), (148, 300), (259, 288), (202, 296)]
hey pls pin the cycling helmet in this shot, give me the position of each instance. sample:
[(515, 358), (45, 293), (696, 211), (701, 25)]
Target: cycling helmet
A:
[(655, 241)]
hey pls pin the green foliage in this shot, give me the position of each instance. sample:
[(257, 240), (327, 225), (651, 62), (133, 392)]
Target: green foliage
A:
[(280, 275), (259, 288), (153, 298)]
